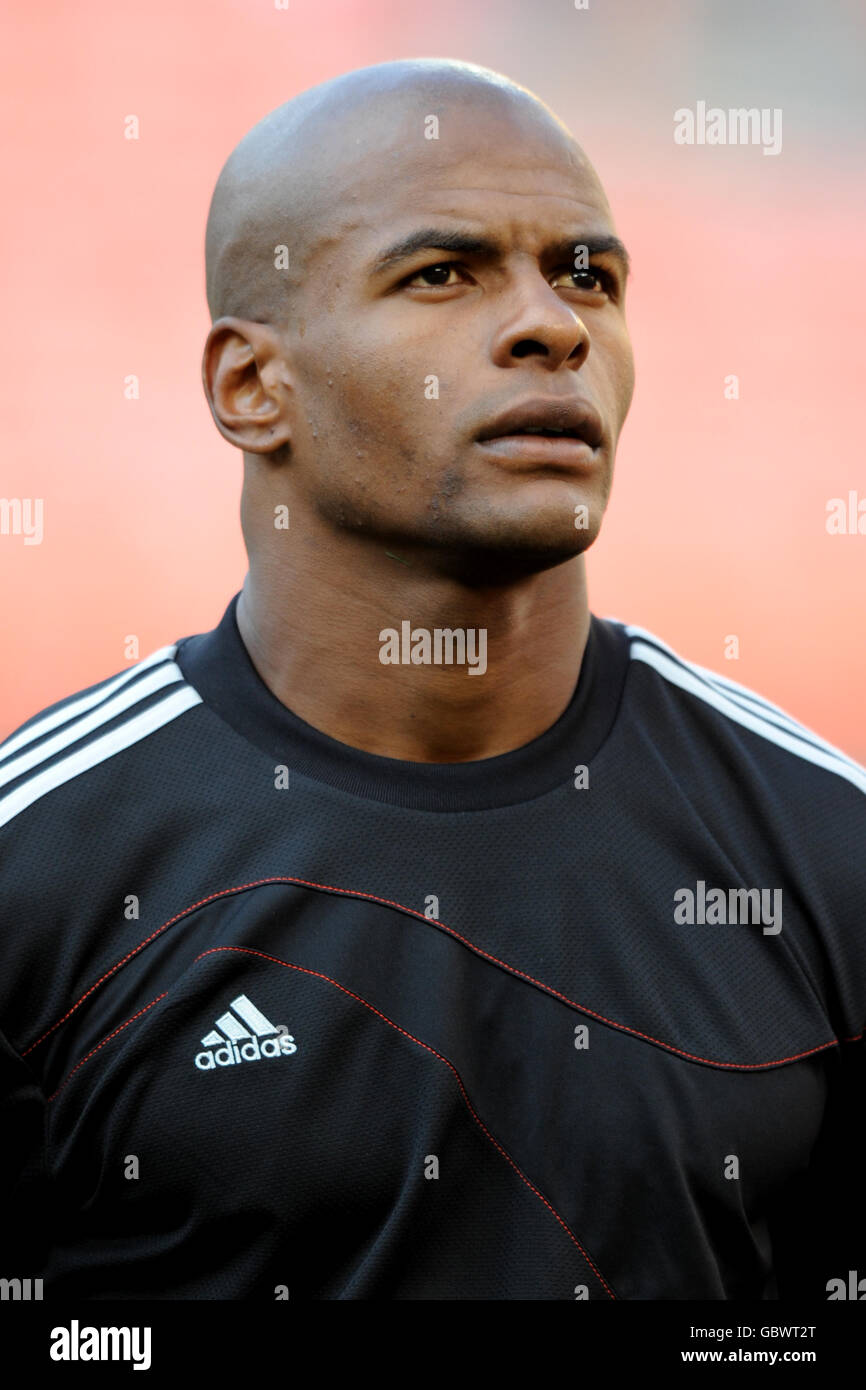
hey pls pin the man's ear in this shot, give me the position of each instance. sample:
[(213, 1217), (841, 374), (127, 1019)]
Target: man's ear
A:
[(247, 385)]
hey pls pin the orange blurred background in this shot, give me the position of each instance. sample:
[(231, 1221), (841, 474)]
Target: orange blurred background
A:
[(744, 264)]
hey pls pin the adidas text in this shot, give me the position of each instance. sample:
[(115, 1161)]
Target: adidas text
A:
[(252, 1051)]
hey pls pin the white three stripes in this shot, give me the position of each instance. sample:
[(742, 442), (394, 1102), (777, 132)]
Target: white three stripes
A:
[(71, 733), (101, 748), (745, 708), (82, 704)]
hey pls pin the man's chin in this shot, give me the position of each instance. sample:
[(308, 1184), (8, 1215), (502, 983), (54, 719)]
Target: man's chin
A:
[(511, 550)]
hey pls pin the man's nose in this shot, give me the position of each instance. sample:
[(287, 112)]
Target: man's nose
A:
[(534, 321)]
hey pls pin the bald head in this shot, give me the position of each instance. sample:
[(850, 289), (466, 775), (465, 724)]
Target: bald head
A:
[(394, 258), (294, 176)]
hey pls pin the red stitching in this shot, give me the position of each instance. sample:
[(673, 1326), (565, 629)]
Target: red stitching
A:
[(221, 893), (413, 912), (250, 951), (106, 1039)]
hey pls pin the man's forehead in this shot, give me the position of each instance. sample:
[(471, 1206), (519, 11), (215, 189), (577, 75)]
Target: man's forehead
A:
[(509, 200), (483, 153)]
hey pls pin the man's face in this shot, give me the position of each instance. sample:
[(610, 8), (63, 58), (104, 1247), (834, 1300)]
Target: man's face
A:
[(399, 364)]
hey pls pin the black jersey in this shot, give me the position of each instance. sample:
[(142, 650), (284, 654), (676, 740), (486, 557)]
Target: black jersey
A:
[(283, 1018)]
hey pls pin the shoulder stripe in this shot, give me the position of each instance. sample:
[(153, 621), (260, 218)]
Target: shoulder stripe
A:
[(826, 757), (98, 751), (742, 695), (73, 708), (77, 729)]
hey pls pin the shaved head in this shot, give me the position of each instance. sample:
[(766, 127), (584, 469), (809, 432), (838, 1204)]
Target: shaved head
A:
[(392, 262), (293, 178)]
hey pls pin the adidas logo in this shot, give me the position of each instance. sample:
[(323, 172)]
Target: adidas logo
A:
[(224, 1045)]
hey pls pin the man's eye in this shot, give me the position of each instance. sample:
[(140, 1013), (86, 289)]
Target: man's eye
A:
[(434, 275), (597, 281)]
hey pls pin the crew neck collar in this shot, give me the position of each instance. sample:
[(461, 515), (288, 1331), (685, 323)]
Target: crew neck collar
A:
[(218, 665)]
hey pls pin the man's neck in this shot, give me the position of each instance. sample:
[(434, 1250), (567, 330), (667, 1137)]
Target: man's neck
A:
[(365, 659)]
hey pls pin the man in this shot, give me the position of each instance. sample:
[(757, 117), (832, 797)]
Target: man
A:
[(417, 934)]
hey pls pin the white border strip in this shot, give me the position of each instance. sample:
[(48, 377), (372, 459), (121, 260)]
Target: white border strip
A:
[(103, 714), (82, 704), (826, 757), (98, 751)]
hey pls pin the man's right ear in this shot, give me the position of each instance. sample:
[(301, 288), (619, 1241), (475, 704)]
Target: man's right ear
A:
[(246, 385)]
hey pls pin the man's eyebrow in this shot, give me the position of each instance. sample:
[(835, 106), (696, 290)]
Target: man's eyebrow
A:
[(605, 242), (448, 239), (433, 239)]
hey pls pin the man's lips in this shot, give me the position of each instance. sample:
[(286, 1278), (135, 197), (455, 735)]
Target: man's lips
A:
[(573, 431), (541, 449)]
